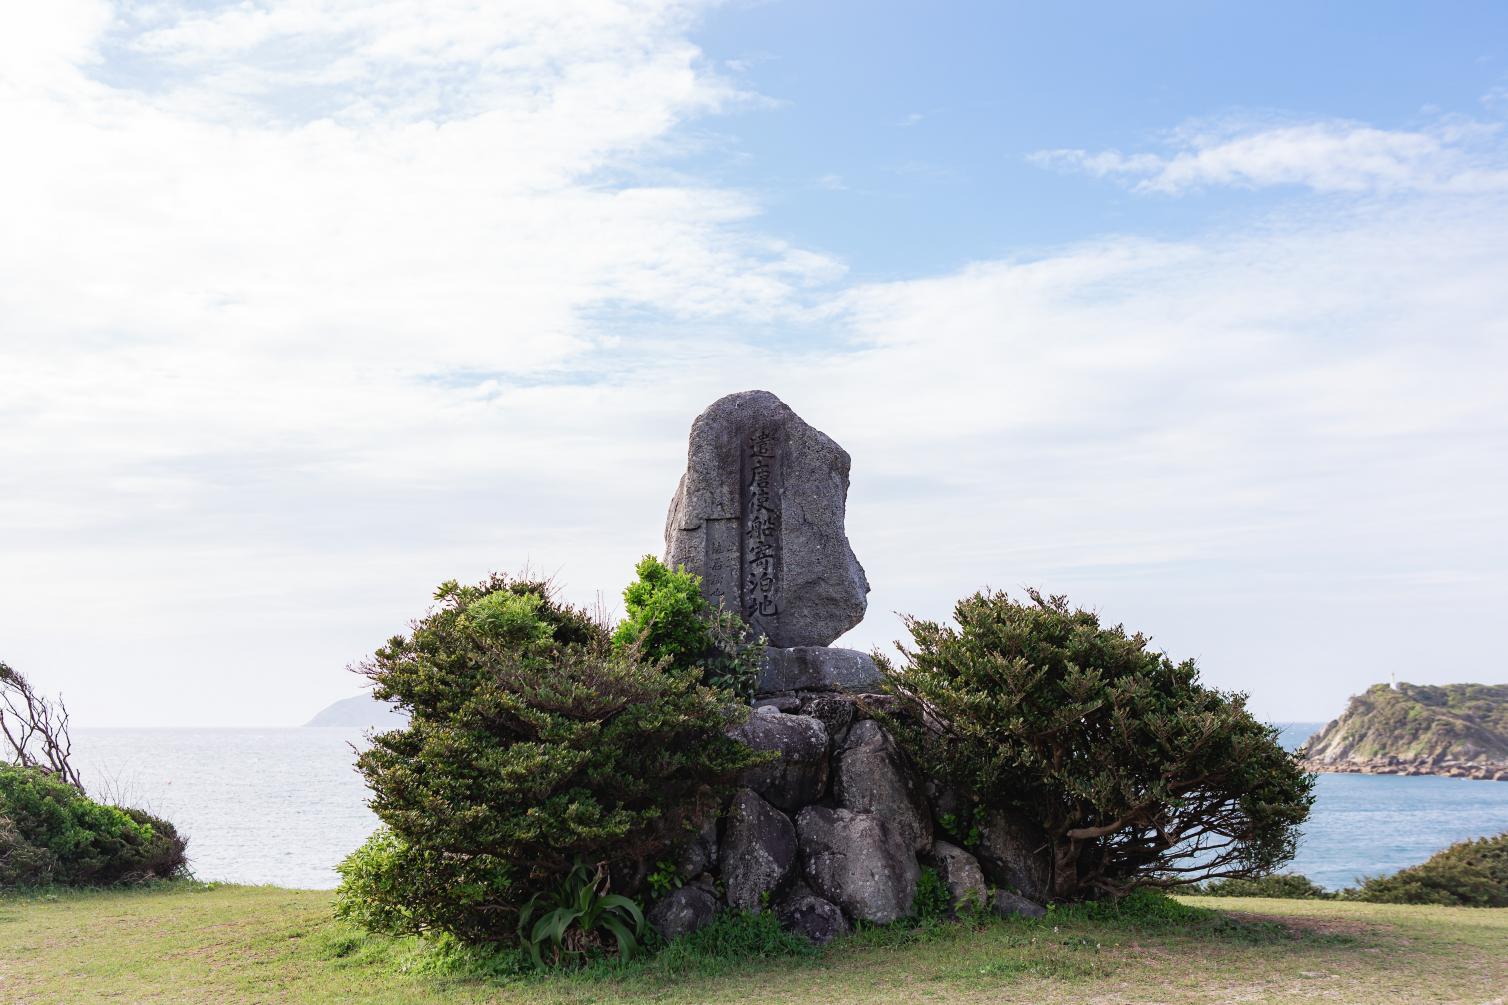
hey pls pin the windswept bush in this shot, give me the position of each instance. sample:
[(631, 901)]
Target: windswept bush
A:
[(533, 744), (1138, 775), (50, 832), (669, 619), (1468, 874)]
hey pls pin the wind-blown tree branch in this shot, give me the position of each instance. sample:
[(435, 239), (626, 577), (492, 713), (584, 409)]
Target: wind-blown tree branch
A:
[(34, 729), (1139, 775)]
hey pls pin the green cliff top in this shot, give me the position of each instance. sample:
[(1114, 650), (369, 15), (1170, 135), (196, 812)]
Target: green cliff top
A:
[(1433, 722)]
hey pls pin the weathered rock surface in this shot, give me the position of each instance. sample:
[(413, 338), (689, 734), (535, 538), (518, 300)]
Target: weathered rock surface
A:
[(1013, 855), (682, 912), (700, 854), (961, 872), (859, 862), (805, 913), (758, 850), (874, 777), (817, 668), (759, 516), (799, 775), (1006, 905), (835, 712)]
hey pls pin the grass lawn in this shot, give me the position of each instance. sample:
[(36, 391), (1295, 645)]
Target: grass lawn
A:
[(223, 944)]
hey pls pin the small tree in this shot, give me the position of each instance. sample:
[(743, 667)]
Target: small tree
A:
[(1139, 775), (533, 746), (34, 729), (669, 619)]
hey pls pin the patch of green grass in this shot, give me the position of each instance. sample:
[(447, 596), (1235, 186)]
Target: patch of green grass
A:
[(195, 943)]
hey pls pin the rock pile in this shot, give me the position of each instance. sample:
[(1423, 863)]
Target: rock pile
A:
[(837, 828)]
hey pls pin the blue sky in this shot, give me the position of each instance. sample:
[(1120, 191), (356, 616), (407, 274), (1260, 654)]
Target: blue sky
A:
[(927, 114), (1195, 313)]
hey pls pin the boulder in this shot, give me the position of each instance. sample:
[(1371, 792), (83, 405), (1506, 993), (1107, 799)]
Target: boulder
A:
[(1014, 855), (807, 914), (682, 912), (1009, 905), (817, 668), (874, 776), (799, 775), (758, 851), (961, 872), (759, 516), (859, 862), (786, 702), (835, 712), (700, 853)]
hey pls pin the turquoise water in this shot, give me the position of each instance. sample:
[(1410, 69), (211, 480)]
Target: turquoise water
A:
[(284, 806)]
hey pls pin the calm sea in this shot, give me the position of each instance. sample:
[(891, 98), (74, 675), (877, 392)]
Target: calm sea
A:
[(284, 806)]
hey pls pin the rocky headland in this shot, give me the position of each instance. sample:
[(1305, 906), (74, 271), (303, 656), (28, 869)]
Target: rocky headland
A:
[(1458, 730)]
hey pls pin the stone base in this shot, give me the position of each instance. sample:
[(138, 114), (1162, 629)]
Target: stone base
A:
[(817, 668), (836, 828)]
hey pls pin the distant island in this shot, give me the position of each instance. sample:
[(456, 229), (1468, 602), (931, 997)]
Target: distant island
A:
[(1460, 730), (362, 711)]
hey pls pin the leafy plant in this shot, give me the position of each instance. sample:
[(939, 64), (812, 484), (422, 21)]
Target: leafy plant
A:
[(572, 917), (962, 826), (1470, 874), (669, 619), (1138, 775), (50, 832), (533, 743), (933, 900), (665, 878)]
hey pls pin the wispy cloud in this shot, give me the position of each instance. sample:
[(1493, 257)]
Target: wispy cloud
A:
[(1328, 156)]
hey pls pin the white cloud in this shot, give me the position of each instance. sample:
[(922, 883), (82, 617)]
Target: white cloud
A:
[(269, 377), (1328, 156)]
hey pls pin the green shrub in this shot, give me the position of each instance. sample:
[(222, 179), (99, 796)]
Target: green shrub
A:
[(1139, 775), (1469, 874), (670, 620), (50, 832), (1287, 885), (532, 744), (21, 862)]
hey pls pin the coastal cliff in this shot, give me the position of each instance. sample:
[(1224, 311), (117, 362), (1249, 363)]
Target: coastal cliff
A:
[(1459, 730)]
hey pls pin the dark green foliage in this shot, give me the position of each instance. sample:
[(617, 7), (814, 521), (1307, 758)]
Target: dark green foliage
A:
[(1287, 885), (50, 832), (1139, 775), (533, 744), (1469, 874), (933, 900), (670, 620), (573, 921)]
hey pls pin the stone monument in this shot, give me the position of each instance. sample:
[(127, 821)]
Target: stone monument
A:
[(836, 828), (759, 516)]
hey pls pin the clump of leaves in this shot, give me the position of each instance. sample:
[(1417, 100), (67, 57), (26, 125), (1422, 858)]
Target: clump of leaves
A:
[(669, 619), (933, 900), (1138, 774), (567, 924), (1470, 874), (533, 744)]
